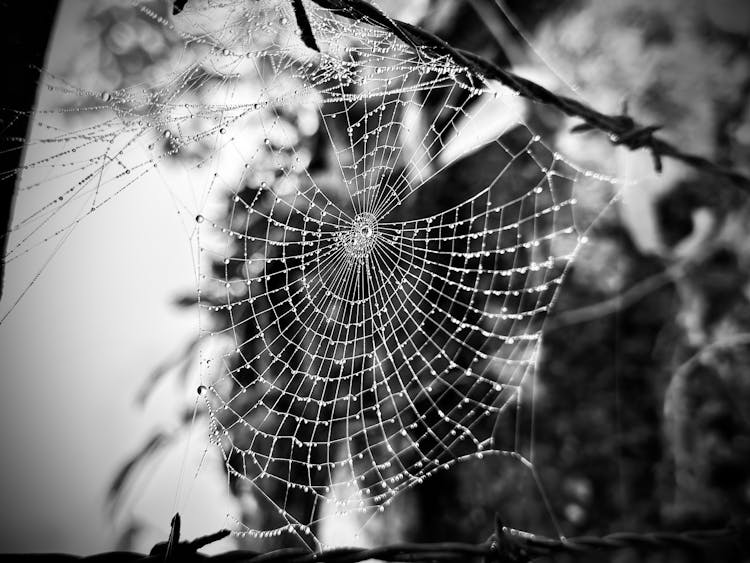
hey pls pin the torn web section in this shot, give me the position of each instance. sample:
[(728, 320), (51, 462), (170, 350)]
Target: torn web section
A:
[(381, 279)]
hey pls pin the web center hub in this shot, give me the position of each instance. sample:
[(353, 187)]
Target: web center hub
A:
[(359, 238)]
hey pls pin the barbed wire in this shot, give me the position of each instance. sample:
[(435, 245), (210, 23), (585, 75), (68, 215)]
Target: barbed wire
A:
[(506, 545), (622, 129)]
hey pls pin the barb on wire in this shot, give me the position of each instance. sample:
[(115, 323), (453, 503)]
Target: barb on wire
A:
[(622, 129), (503, 548), (178, 6), (303, 22)]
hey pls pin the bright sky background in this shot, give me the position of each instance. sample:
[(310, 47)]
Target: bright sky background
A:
[(75, 351)]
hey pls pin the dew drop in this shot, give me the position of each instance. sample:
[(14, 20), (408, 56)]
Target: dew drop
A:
[(202, 390), (199, 218)]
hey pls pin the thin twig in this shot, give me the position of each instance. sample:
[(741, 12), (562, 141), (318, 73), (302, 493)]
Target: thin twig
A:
[(617, 303)]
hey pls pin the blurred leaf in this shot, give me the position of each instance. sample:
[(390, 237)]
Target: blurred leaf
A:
[(182, 361), (120, 483)]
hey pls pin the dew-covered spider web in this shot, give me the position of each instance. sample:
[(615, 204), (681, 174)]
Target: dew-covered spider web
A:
[(380, 234)]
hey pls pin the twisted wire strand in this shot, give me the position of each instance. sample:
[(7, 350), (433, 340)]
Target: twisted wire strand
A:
[(622, 129), (506, 545)]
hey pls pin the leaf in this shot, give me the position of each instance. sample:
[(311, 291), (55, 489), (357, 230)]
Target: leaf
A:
[(121, 480)]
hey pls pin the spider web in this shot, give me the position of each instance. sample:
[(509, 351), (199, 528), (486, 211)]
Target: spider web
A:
[(394, 237), (374, 341)]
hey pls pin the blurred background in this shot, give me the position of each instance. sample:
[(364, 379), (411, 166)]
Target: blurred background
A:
[(642, 400)]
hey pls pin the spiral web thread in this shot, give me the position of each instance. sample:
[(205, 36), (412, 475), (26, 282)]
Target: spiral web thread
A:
[(385, 265)]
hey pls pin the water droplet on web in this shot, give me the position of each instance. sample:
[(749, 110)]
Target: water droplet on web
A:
[(199, 218), (106, 96), (202, 390)]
